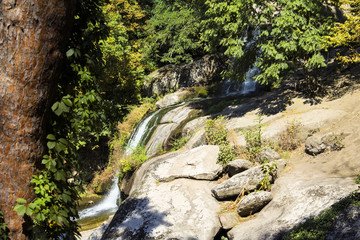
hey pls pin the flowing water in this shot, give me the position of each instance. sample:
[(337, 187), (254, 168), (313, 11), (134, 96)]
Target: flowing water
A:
[(236, 88), (109, 205)]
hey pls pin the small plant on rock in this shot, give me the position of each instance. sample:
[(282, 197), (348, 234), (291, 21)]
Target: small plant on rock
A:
[(288, 140), (253, 140), (269, 169), (133, 161), (217, 134), (337, 142), (179, 143)]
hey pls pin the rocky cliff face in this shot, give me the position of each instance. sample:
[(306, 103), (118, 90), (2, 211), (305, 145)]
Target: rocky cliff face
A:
[(196, 73)]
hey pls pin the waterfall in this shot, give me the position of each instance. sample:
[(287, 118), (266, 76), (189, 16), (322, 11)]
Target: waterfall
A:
[(235, 88), (139, 135), (108, 204), (141, 131)]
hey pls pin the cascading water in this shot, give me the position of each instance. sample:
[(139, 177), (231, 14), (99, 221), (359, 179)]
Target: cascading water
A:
[(107, 205), (236, 88), (139, 136), (141, 131)]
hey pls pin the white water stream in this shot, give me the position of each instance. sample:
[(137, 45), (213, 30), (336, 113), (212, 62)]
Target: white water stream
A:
[(237, 88), (109, 204), (138, 133)]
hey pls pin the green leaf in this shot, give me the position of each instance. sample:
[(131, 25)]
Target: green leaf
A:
[(51, 144), (59, 147), (51, 137), (55, 106), (63, 141), (60, 176), (63, 107), (29, 211), (20, 209), (21, 201), (70, 52), (32, 206), (67, 102), (63, 213)]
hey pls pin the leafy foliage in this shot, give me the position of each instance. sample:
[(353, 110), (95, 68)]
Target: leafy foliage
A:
[(174, 31), (133, 161), (3, 228), (269, 170), (124, 66), (347, 33), (54, 208), (279, 36)]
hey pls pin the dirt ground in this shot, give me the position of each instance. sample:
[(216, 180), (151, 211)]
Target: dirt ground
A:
[(343, 163)]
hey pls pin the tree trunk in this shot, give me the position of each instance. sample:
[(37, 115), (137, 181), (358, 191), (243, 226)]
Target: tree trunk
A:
[(33, 34)]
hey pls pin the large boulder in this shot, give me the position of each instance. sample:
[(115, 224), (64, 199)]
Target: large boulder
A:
[(253, 203), (172, 77), (238, 165), (171, 99), (198, 163), (179, 209), (294, 200), (248, 180)]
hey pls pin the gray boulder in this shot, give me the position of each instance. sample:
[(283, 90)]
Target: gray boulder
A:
[(171, 99), (229, 220), (198, 163), (253, 203), (238, 166), (179, 209), (248, 180), (319, 143), (268, 154), (196, 140)]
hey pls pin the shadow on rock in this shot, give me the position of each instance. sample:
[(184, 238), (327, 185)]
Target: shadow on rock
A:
[(136, 220)]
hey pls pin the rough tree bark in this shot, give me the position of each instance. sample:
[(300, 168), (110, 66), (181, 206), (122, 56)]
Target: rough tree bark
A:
[(33, 34)]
